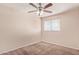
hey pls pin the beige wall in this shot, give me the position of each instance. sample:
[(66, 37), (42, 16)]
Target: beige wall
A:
[(69, 34), (17, 29)]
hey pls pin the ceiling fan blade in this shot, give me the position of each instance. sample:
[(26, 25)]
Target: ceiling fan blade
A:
[(47, 11), (32, 11), (40, 4), (33, 5), (48, 5)]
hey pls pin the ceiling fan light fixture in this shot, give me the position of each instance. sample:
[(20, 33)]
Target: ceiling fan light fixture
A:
[(39, 12)]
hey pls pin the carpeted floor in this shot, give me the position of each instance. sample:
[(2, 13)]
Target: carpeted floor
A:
[(43, 48)]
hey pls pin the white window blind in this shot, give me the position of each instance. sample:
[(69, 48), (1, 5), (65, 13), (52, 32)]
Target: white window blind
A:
[(52, 25)]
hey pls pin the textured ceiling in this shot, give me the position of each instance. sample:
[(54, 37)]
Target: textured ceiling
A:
[(56, 8)]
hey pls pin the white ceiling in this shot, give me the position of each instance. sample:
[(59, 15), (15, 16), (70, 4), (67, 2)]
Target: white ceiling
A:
[(56, 8)]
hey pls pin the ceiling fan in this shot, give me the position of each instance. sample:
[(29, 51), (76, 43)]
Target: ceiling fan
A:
[(40, 9)]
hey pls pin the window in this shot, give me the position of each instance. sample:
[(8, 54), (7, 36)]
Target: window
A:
[(52, 25)]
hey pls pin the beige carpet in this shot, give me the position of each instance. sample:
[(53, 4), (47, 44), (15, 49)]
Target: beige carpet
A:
[(43, 48)]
